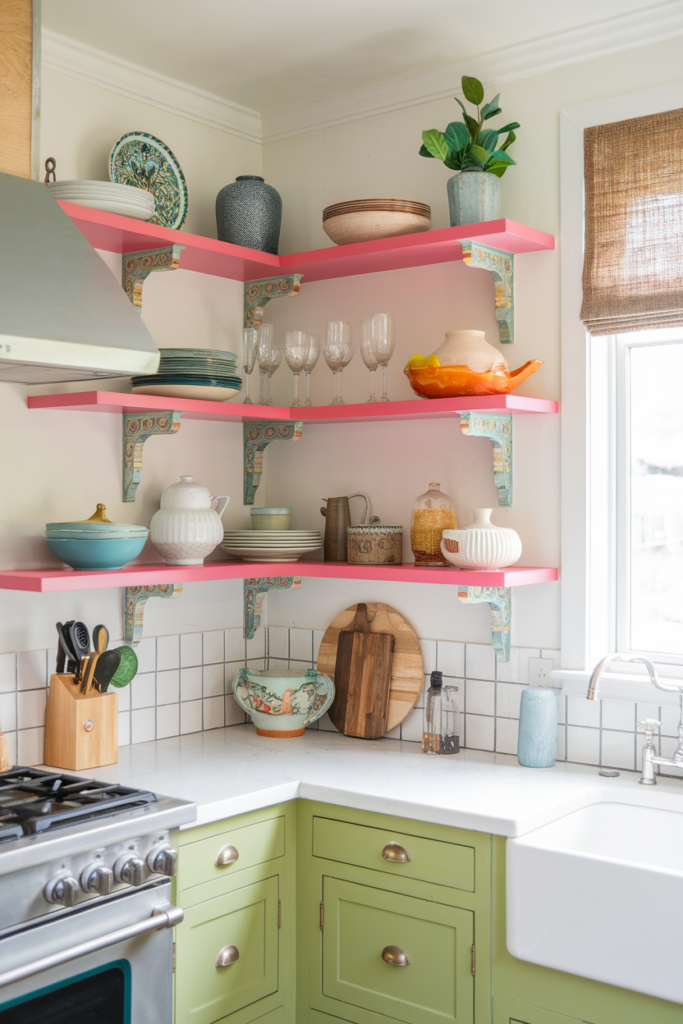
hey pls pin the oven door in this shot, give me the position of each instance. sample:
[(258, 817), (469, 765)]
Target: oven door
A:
[(110, 961)]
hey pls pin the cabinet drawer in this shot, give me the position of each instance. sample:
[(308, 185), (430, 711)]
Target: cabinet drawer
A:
[(431, 860), (254, 844), (436, 987), (246, 918)]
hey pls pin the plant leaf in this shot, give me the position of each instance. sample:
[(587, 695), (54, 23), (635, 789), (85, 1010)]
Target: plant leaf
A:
[(491, 113), (488, 138), (435, 144), (464, 109), (479, 155), (472, 125), (455, 161), (497, 169), (490, 106), (508, 142), (499, 157), (424, 151), (508, 127), (472, 89), (457, 137)]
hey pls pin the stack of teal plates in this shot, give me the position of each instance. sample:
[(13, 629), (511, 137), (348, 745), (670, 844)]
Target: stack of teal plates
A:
[(203, 373)]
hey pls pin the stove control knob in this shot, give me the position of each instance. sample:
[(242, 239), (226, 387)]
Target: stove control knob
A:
[(130, 869), (63, 889), (162, 860), (97, 878)]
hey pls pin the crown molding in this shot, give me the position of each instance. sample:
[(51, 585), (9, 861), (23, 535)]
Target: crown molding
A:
[(589, 42), (137, 83)]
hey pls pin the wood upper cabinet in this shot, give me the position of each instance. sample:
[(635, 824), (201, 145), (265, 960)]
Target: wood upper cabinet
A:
[(19, 87)]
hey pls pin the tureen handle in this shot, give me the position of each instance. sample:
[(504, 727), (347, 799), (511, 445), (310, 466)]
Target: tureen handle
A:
[(218, 507)]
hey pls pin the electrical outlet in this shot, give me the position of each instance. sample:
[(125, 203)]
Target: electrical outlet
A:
[(539, 670)]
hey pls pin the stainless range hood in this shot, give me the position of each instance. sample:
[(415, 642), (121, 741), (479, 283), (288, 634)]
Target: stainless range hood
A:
[(63, 317)]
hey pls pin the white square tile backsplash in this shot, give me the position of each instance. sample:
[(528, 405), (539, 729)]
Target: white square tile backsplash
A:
[(184, 685)]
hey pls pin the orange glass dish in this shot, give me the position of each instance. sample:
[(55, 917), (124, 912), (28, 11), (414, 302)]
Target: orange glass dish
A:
[(430, 380)]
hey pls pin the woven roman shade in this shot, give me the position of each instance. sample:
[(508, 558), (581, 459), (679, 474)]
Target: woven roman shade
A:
[(633, 262)]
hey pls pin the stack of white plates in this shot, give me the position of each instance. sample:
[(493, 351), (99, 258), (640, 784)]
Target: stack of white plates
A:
[(271, 545), (106, 196)]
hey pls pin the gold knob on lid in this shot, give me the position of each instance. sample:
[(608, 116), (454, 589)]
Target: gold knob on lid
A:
[(395, 853), (98, 515), (395, 956)]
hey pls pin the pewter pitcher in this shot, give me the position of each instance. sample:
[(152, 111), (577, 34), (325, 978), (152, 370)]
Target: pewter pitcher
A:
[(337, 521)]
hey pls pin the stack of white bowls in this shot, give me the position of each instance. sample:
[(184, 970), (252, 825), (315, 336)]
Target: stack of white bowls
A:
[(107, 196)]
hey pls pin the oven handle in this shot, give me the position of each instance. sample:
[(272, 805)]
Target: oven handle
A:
[(163, 916)]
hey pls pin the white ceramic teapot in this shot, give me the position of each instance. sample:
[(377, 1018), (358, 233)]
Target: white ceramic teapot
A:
[(188, 525), (482, 544)]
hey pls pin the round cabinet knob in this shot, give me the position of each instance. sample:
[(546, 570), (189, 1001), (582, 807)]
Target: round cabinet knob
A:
[(162, 860), (395, 956), (226, 855), (97, 878), (130, 869), (62, 889), (395, 853), (227, 956)]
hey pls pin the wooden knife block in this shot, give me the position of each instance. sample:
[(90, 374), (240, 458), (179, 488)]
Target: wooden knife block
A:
[(80, 732)]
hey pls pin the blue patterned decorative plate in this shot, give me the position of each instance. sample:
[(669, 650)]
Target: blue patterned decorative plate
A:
[(143, 161)]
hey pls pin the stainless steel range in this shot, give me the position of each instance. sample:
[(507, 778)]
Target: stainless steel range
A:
[(85, 900)]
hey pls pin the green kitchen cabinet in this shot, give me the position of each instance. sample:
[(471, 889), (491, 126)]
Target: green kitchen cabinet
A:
[(505, 1011)]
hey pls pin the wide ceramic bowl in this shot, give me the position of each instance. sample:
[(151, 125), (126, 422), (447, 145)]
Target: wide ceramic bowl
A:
[(282, 704), (369, 225), (98, 553), (89, 535), (434, 381)]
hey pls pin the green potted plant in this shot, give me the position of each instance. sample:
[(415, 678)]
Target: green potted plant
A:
[(473, 150)]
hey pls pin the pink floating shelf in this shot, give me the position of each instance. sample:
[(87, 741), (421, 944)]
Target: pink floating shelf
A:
[(46, 581), (113, 233), (413, 409)]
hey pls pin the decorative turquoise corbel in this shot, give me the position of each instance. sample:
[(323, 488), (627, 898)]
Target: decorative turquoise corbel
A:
[(501, 264), (137, 266), (254, 592), (498, 429), (258, 293), (257, 436), (134, 601), (500, 599), (137, 427)]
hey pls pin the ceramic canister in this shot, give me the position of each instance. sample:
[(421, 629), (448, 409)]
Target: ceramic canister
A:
[(537, 743), (375, 544), (481, 545), (188, 525), (282, 704)]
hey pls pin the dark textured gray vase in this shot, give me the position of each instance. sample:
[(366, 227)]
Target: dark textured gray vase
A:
[(249, 213)]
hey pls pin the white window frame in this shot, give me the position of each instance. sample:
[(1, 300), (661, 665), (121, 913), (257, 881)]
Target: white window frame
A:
[(588, 410)]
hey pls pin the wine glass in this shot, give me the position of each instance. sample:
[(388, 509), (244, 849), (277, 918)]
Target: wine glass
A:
[(249, 353), (384, 339), (338, 350), (309, 365), (297, 346), (270, 351), (367, 351)]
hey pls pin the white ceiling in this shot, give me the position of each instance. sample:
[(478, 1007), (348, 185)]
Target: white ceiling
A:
[(270, 56)]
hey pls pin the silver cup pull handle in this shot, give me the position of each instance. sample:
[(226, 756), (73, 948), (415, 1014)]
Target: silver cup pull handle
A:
[(395, 956), (227, 956), (226, 855), (395, 853)]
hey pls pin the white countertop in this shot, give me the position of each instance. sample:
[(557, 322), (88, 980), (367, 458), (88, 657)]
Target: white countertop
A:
[(230, 771)]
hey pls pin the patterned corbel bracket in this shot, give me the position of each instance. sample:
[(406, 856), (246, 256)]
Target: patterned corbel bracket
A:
[(137, 266), (254, 592), (499, 599), (134, 601), (498, 429), (258, 293), (502, 267), (136, 429), (257, 436)]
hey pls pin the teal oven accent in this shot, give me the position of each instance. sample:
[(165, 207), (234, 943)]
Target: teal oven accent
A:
[(103, 988)]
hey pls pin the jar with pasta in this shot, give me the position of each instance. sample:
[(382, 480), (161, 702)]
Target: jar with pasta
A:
[(433, 513)]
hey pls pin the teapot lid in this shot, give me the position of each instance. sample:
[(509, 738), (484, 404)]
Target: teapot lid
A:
[(186, 494)]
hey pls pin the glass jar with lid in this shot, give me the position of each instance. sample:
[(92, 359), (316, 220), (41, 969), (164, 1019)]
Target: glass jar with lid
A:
[(433, 513)]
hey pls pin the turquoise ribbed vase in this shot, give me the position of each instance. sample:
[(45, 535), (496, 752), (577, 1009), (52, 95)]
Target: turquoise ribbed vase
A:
[(537, 743)]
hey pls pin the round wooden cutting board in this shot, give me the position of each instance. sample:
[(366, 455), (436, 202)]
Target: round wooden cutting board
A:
[(407, 672)]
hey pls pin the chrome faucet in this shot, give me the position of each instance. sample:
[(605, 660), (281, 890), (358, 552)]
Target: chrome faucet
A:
[(650, 757)]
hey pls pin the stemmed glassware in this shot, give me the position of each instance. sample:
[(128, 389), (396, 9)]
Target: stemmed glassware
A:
[(270, 351), (297, 347), (384, 339), (338, 350), (367, 351), (249, 353), (309, 365)]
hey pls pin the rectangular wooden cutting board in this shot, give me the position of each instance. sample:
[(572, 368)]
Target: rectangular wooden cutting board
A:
[(362, 679)]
